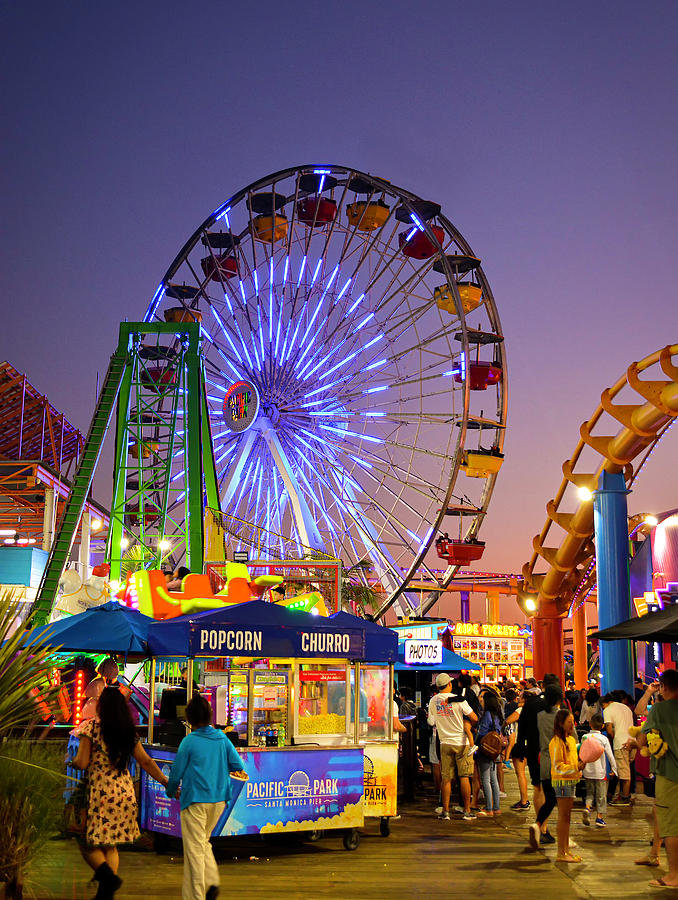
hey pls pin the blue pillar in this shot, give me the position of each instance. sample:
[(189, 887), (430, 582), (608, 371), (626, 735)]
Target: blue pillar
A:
[(465, 606), (614, 592)]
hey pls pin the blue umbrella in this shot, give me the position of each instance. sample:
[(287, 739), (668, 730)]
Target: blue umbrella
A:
[(109, 628)]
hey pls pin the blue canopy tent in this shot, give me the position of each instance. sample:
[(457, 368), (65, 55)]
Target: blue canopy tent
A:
[(265, 629), (379, 643), (109, 628), (451, 662)]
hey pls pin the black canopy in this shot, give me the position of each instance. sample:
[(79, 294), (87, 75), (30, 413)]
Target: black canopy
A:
[(661, 626)]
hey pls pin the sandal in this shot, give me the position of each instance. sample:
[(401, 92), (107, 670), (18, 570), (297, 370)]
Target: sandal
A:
[(568, 858), (659, 882), (648, 861)]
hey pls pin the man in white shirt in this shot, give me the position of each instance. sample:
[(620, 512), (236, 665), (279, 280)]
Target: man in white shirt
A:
[(618, 719), (446, 711)]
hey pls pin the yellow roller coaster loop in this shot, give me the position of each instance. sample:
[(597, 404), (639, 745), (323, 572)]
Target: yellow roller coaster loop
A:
[(642, 425)]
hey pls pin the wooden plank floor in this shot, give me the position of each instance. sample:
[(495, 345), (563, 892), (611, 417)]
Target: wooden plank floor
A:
[(422, 857)]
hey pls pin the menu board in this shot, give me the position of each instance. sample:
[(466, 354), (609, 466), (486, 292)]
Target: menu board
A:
[(490, 651)]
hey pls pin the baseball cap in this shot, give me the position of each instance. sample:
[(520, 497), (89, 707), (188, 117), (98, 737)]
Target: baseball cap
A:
[(442, 679)]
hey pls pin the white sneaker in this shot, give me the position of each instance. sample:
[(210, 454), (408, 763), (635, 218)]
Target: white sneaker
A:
[(503, 795), (572, 844), (459, 809), (534, 834), (438, 810)]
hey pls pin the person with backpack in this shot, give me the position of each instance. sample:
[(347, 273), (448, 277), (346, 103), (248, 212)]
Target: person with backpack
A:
[(490, 746), (595, 748)]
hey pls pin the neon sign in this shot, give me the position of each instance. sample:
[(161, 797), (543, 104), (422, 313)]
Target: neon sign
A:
[(476, 629), (241, 405)]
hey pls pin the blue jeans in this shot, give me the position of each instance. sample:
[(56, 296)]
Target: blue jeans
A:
[(488, 776)]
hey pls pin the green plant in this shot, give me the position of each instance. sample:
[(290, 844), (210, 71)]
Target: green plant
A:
[(24, 663), (134, 559), (31, 805), (356, 589)]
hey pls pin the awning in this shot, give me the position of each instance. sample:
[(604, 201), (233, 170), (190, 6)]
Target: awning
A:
[(659, 626), (261, 629), (109, 628), (451, 662)]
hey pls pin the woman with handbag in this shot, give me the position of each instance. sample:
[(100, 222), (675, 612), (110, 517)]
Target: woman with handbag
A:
[(490, 746)]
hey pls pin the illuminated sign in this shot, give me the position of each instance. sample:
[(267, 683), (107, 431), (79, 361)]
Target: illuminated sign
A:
[(424, 652), (476, 629), (241, 405)]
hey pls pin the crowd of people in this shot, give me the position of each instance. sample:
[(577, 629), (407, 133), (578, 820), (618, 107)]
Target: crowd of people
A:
[(571, 744)]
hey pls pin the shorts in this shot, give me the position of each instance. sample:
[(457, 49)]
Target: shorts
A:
[(622, 758), (666, 804), (455, 761), (566, 790), (534, 769), (432, 755), (518, 751)]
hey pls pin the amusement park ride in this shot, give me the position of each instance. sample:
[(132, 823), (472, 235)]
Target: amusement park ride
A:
[(307, 370)]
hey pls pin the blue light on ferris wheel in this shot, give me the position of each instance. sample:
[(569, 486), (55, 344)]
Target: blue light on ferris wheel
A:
[(315, 274), (375, 390), (155, 302), (301, 268), (356, 303), (374, 365), (364, 322), (286, 270), (270, 303)]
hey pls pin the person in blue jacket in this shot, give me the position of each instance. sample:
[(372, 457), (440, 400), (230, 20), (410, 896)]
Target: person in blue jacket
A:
[(203, 765)]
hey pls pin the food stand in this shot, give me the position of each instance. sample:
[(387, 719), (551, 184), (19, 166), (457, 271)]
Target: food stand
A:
[(501, 651), (320, 754)]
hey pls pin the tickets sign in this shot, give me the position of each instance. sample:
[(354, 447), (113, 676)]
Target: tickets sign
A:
[(423, 652)]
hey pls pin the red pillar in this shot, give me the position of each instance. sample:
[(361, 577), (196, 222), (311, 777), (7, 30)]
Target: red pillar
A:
[(547, 635), (581, 668)]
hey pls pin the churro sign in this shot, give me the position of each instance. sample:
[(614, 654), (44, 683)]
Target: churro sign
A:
[(423, 652)]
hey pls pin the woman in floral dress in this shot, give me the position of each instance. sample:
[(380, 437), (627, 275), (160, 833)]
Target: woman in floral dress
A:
[(107, 744)]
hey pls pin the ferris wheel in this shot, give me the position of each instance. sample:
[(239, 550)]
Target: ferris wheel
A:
[(355, 370)]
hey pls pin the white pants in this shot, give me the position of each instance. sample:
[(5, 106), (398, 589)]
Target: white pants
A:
[(200, 867)]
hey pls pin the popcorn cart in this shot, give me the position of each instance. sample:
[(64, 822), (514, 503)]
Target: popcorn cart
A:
[(314, 725)]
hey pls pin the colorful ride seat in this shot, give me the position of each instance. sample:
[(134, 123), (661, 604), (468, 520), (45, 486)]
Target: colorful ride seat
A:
[(458, 552), (270, 228), (469, 294), (316, 211), (419, 245), (481, 463), (219, 267), (364, 216), (481, 375)]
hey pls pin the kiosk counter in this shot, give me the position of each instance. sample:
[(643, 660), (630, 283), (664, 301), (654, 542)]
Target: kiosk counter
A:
[(319, 754)]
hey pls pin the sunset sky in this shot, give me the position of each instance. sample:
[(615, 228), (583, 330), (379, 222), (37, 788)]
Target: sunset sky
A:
[(547, 132)]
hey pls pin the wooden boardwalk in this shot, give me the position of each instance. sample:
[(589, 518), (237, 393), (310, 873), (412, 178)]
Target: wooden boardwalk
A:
[(422, 857)]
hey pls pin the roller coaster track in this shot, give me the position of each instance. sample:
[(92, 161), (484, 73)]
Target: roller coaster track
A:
[(642, 424)]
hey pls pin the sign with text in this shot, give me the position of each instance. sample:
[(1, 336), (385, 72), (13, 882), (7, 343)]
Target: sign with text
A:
[(423, 652), (288, 790), (275, 641)]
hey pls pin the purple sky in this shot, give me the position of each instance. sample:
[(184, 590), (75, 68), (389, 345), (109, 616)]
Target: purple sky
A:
[(548, 133)]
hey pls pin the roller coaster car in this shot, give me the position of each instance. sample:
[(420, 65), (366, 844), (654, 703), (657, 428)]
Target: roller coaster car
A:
[(144, 450), (132, 516), (364, 216), (316, 210), (179, 314), (219, 267), (196, 593), (481, 463), (270, 228), (419, 245), (459, 553), (481, 375), (156, 376)]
